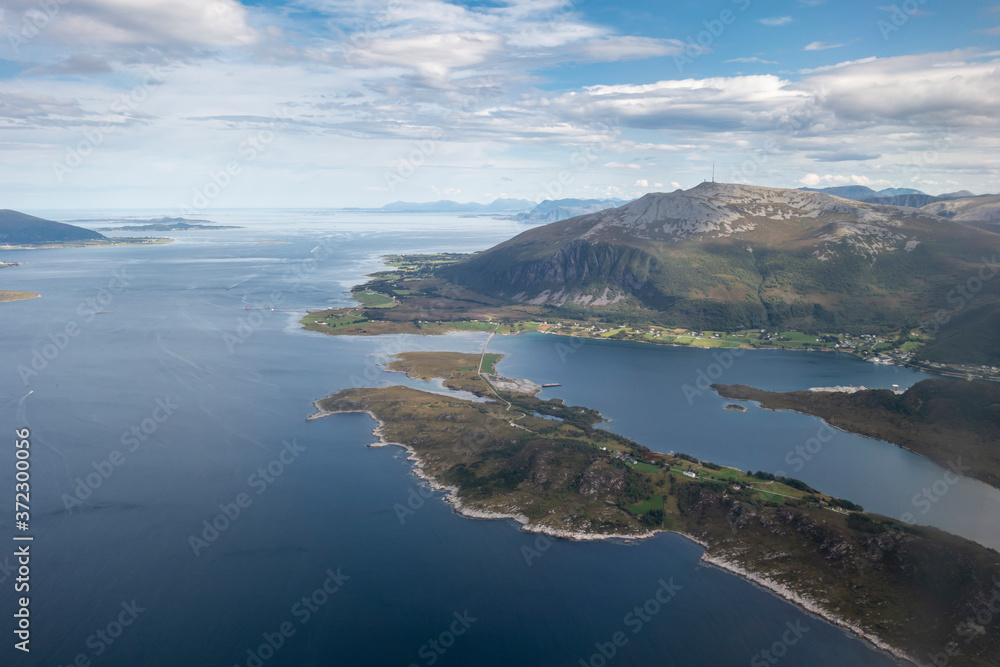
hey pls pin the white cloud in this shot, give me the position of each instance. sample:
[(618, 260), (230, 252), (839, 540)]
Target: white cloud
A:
[(620, 165), (641, 183), (751, 59), (830, 180), (821, 46), (775, 20), (432, 56), (143, 23)]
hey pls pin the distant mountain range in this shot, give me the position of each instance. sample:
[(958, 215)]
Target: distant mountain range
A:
[(962, 205), (18, 228), (561, 209), (448, 206), (891, 196), (725, 257)]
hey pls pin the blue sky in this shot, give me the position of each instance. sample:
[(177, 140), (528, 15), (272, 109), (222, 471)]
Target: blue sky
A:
[(186, 105)]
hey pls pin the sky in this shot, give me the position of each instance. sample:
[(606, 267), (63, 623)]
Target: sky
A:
[(188, 105)]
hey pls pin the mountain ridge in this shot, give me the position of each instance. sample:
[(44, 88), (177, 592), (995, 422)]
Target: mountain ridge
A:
[(727, 256)]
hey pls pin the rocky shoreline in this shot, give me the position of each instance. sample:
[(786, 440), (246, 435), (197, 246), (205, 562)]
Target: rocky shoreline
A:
[(804, 602), (722, 563)]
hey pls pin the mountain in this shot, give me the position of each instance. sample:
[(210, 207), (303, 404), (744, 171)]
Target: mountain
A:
[(891, 196), (864, 193), (855, 192), (985, 208), (448, 206), (722, 256), (560, 209), (18, 228), (913, 201)]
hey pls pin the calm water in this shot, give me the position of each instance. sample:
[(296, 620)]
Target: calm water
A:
[(238, 385)]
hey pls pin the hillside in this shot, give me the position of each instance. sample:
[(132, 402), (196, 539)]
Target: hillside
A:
[(723, 257), (21, 229), (948, 421), (969, 209)]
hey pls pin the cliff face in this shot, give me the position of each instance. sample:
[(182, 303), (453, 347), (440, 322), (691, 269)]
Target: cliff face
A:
[(591, 273), (722, 256)]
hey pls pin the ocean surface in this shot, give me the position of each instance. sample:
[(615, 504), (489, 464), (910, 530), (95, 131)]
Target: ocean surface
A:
[(184, 512)]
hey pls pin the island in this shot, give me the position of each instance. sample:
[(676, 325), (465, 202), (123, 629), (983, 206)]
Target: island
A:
[(17, 296), (915, 591), (165, 224), (951, 422), (6, 295)]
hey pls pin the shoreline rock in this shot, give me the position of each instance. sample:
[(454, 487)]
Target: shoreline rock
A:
[(762, 581)]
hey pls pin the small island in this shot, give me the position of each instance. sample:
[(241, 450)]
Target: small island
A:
[(546, 465), (17, 296), (948, 421), (733, 406), (165, 224)]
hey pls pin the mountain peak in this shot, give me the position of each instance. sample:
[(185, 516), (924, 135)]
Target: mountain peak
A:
[(722, 210)]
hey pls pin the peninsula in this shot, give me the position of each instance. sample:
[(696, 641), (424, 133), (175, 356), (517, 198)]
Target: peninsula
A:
[(21, 231), (720, 265), (543, 463), (948, 421)]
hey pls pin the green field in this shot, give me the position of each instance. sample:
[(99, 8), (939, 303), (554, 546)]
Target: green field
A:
[(651, 503), (370, 299)]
